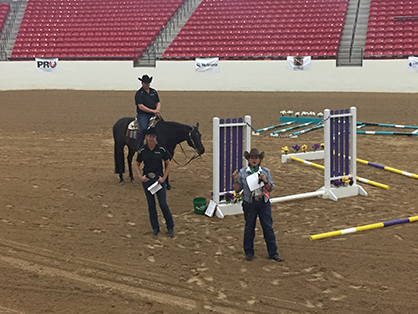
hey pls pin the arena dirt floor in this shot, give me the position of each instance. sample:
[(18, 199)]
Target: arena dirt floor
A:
[(73, 240)]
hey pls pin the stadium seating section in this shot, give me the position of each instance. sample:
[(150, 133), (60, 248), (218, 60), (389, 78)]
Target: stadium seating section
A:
[(248, 28), (4, 10), (90, 29), (392, 29), (114, 29)]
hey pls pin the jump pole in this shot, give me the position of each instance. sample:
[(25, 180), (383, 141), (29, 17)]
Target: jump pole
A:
[(256, 132), (387, 133), (276, 133), (400, 126), (231, 137), (363, 180), (297, 196), (405, 173), (307, 130), (362, 228), (320, 155)]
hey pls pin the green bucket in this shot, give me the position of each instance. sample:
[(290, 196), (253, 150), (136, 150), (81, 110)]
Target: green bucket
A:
[(199, 204)]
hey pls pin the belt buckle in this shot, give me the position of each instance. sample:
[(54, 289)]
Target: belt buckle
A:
[(151, 175)]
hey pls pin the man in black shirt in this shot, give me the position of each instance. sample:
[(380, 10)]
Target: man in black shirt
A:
[(147, 104)]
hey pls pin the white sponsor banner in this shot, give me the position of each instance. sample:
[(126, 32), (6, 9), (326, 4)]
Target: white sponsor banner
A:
[(46, 64), (207, 65), (413, 64), (299, 63)]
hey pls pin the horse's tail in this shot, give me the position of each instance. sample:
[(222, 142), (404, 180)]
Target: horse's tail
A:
[(118, 153)]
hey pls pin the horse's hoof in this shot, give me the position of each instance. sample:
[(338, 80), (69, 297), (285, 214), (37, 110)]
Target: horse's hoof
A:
[(121, 182), (168, 187), (132, 180)]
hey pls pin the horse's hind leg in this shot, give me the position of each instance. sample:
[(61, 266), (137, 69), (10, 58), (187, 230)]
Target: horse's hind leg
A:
[(119, 161), (130, 157)]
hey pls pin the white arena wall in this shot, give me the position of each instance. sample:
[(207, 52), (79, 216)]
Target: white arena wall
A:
[(390, 76)]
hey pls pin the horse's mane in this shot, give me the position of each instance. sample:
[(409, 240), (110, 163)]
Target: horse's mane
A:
[(176, 124)]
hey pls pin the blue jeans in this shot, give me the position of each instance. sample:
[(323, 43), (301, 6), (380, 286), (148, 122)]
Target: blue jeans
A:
[(263, 211), (143, 119), (162, 201)]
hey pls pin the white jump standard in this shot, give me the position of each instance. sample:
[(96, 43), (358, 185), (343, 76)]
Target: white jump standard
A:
[(231, 137), (340, 142)]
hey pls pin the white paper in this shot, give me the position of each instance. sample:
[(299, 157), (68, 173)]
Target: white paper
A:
[(210, 210), (252, 182), (154, 188)]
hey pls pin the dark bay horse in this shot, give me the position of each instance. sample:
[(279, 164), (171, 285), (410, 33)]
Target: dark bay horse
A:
[(169, 134)]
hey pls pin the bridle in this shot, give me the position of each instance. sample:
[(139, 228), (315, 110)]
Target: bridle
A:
[(196, 152)]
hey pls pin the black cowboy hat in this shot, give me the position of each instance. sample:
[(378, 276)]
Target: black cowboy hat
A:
[(253, 152), (145, 79), (150, 131)]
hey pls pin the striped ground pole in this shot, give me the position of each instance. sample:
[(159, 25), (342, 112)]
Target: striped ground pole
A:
[(400, 126), (405, 173), (386, 133), (307, 130), (273, 126), (275, 133), (362, 228), (363, 180)]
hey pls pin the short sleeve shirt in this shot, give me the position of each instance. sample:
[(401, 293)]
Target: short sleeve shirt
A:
[(148, 100), (152, 159)]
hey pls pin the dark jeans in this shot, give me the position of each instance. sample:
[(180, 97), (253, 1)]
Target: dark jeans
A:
[(143, 120), (263, 211), (152, 209)]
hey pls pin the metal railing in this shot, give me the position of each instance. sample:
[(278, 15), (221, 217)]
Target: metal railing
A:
[(150, 54), (350, 56), (8, 27)]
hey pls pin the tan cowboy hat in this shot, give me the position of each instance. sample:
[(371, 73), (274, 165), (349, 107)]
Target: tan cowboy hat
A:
[(253, 152)]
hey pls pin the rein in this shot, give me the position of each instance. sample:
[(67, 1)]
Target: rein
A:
[(196, 154)]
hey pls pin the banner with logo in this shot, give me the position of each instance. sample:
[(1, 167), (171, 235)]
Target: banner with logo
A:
[(207, 65), (46, 64), (299, 63), (413, 64)]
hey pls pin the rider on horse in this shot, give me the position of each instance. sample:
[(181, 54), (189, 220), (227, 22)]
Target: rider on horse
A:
[(147, 105)]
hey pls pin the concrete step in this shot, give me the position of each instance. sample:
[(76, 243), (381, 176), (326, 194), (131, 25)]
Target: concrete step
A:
[(169, 33)]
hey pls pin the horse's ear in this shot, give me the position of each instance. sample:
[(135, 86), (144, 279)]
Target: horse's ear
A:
[(197, 125)]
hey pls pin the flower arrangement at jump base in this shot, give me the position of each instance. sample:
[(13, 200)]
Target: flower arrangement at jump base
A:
[(317, 146), (233, 198), (344, 181), (285, 150), (303, 148)]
